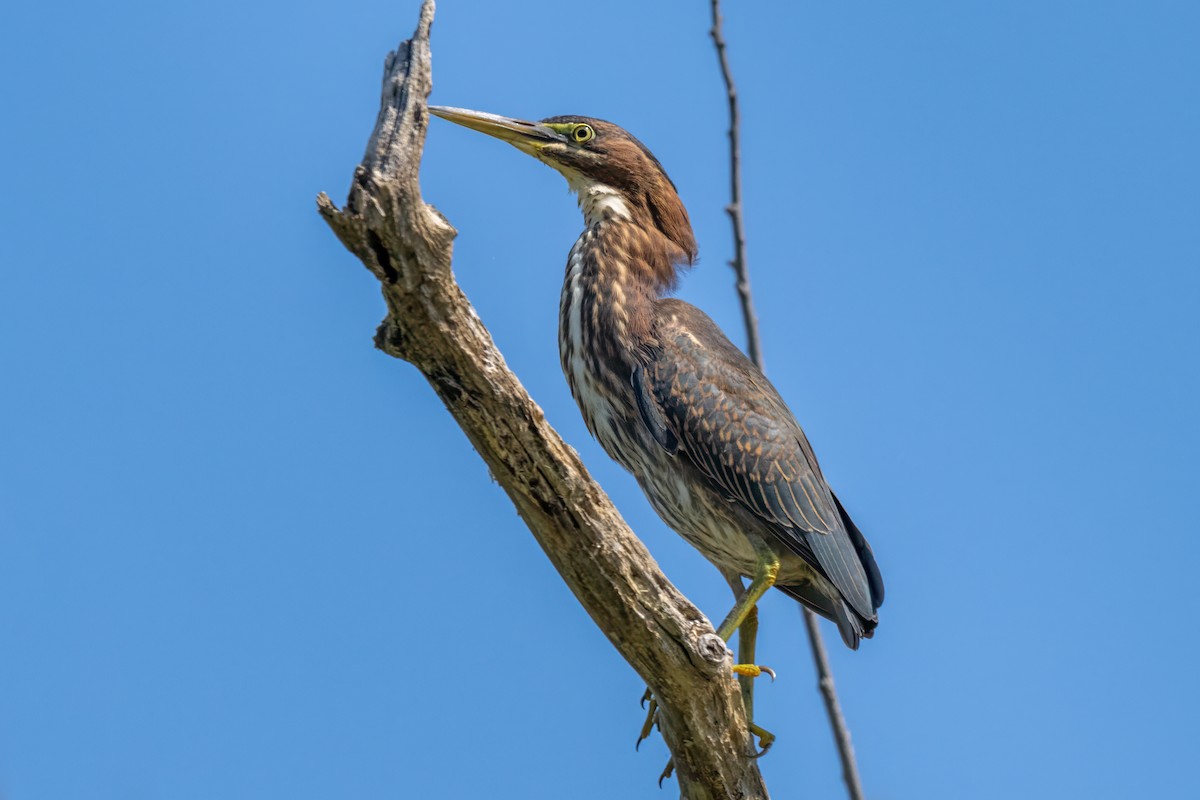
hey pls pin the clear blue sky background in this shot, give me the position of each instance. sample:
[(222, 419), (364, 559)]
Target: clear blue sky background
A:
[(244, 555)]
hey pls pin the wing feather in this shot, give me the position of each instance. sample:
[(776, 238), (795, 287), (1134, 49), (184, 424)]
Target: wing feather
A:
[(731, 422)]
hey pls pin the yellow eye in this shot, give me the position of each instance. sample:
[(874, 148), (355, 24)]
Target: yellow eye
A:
[(582, 133)]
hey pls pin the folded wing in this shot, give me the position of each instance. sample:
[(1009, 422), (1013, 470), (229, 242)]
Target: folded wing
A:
[(700, 395)]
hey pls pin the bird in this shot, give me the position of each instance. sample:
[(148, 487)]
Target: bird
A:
[(711, 442)]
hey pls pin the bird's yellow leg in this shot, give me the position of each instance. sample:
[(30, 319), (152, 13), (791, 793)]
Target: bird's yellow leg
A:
[(765, 573), (747, 635), (747, 639), (743, 617), (747, 671)]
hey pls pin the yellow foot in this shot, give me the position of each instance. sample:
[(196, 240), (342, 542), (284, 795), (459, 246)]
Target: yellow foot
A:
[(752, 670), (765, 739)]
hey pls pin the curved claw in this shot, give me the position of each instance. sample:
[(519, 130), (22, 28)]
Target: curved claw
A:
[(668, 770), (753, 671), (647, 696), (648, 725), (765, 739)]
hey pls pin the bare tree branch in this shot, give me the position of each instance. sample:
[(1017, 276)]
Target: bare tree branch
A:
[(841, 731), (407, 245), (837, 721)]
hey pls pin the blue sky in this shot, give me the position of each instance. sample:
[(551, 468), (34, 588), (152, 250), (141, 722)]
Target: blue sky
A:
[(243, 554)]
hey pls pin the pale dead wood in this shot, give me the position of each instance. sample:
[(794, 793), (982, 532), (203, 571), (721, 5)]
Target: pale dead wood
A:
[(407, 245)]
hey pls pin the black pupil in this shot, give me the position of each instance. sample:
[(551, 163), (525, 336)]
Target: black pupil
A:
[(581, 133)]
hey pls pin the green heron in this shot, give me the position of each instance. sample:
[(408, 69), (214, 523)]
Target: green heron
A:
[(709, 439)]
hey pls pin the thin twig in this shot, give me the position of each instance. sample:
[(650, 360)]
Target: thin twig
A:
[(837, 721), (734, 209), (841, 731)]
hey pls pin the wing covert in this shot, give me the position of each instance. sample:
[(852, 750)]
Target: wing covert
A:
[(720, 410)]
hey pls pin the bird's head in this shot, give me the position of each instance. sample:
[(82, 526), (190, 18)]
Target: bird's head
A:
[(611, 171)]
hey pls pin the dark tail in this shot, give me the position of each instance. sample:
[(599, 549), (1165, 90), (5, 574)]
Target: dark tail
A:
[(863, 547), (853, 626)]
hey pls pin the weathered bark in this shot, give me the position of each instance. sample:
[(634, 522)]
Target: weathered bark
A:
[(407, 245)]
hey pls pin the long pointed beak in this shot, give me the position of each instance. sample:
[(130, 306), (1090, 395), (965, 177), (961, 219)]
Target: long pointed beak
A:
[(525, 136)]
